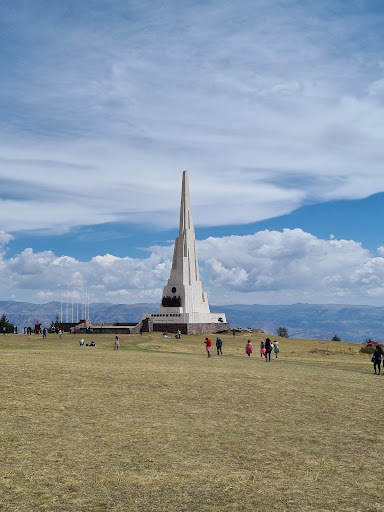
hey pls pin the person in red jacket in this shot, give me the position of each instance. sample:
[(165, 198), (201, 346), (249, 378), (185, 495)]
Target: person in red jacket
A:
[(208, 346)]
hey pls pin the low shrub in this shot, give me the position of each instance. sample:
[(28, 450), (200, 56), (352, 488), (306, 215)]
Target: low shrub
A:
[(367, 350)]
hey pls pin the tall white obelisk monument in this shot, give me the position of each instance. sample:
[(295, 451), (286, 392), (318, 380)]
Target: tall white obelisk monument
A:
[(183, 300)]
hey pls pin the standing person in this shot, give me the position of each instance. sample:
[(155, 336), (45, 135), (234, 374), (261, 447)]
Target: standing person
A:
[(248, 348), (262, 348), (117, 343), (276, 348), (4, 331), (376, 359), (44, 333), (208, 346), (382, 357), (60, 333), (219, 345), (268, 349), (233, 332)]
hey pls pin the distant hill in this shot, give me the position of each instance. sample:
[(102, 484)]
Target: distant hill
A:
[(25, 314), (316, 321)]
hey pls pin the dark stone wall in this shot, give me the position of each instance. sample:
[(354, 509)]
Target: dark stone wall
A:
[(200, 328), (191, 328), (158, 327), (65, 326), (147, 325), (101, 330)]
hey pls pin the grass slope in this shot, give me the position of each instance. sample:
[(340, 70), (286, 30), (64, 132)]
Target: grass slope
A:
[(158, 426)]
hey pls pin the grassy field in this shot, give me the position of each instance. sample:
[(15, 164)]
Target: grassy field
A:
[(157, 426)]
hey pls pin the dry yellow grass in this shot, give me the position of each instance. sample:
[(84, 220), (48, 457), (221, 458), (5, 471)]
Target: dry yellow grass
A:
[(158, 426)]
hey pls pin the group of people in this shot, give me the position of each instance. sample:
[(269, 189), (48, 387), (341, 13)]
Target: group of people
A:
[(81, 343), (177, 335), (208, 346), (266, 347)]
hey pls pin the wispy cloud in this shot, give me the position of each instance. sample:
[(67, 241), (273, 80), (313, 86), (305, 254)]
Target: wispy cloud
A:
[(104, 103)]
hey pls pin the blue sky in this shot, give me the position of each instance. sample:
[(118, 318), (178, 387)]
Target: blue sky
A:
[(275, 109)]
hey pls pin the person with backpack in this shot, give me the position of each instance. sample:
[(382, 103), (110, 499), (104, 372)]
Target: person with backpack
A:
[(268, 349), (219, 345)]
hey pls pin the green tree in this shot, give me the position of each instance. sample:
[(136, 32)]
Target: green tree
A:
[(5, 323), (336, 338), (282, 332)]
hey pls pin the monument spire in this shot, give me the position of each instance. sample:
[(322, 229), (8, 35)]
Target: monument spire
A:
[(184, 305), (185, 243), (183, 290)]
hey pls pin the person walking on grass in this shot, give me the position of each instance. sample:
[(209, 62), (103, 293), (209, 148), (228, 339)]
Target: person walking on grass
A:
[(117, 343), (376, 359), (219, 345), (248, 348), (208, 346), (268, 349), (276, 348), (262, 349), (382, 357)]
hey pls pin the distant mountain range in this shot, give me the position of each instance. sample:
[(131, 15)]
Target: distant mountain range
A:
[(316, 321)]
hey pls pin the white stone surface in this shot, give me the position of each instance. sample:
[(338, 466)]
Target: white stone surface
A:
[(184, 280)]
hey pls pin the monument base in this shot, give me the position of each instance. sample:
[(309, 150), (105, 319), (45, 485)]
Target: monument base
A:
[(150, 326)]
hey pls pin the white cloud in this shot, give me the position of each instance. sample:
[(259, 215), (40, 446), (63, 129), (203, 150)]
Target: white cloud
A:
[(376, 88), (253, 99), (43, 276), (266, 267), (288, 260), (5, 238)]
